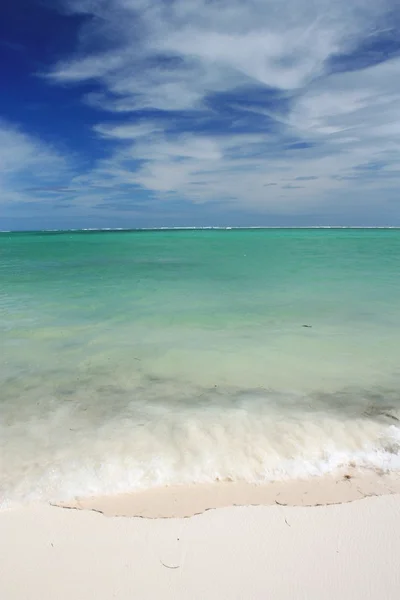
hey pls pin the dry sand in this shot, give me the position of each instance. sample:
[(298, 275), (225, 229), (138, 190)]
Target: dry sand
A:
[(348, 551)]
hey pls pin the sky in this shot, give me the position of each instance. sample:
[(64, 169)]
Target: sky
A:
[(150, 113)]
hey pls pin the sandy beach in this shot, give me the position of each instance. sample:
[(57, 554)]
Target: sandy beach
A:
[(346, 550), (199, 300)]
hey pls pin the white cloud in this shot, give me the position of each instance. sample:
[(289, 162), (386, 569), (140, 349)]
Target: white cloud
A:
[(348, 101), (175, 56), (130, 131), (26, 162), (211, 46)]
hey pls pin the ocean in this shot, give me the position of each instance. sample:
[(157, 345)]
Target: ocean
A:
[(138, 359)]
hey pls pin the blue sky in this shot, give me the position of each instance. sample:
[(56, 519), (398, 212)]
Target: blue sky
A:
[(125, 113)]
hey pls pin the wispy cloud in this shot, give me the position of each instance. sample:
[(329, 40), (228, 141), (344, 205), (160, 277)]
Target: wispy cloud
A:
[(27, 165), (238, 101), (154, 48)]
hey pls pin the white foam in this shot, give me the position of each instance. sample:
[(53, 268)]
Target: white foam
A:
[(56, 451)]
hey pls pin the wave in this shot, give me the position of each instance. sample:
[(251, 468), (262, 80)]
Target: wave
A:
[(115, 441)]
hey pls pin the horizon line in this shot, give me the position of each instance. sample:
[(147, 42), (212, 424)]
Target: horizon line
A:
[(197, 228)]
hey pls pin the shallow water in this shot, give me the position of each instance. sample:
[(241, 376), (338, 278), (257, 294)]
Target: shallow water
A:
[(136, 359)]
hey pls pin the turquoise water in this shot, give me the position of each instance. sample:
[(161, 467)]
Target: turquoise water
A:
[(136, 359)]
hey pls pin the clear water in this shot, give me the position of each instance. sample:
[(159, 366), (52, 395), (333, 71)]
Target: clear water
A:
[(137, 359)]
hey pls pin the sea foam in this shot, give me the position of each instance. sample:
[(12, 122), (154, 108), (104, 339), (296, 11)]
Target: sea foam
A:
[(136, 439)]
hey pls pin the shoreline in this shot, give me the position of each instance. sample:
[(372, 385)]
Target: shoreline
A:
[(183, 501)]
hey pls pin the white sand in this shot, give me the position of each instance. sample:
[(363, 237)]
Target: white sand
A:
[(346, 485), (342, 552)]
